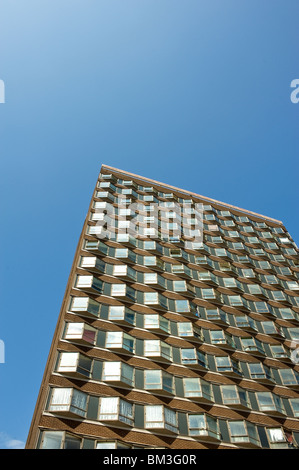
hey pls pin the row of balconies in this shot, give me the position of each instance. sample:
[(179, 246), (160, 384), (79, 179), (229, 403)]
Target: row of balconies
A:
[(84, 334), (77, 365), (119, 412), (124, 292)]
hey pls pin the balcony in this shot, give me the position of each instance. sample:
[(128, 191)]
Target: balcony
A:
[(211, 295), (157, 350), (125, 255), (124, 272), (157, 324), (123, 292), (121, 315), (222, 339), (244, 433), (159, 381), (154, 263), (186, 308), (204, 261), (246, 323), (120, 342), (181, 270), (74, 364), (238, 302), (270, 403), (97, 247), (179, 255), (154, 280), (232, 284), (198, 390), (260, 372), (105, 196), (183, 288), (226, 267), (159, 418), (80, 333), (204, 427), (252, 346), (208, 278), (115, 411), (118, 374), (126, 239), (193, 358), (190, 332), (216, 316), (155, 300), (228, 366), (235, 397), (68, 402), (93, 264), (85, 306), (153, 247), (89, 284)]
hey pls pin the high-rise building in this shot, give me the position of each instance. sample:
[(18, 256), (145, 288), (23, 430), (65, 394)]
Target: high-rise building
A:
[(178, 328)]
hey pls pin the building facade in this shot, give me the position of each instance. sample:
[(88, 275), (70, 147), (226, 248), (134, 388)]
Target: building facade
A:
[(178, 328)]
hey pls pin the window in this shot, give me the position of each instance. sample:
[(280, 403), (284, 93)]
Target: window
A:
[(243, 432), (121, 314), (123, 292), (120, 341), (193, 357), (153, 262), (262, 307), (234, 396), (187, 329), (227, 365), (198, 389), (92, 263), (183, 288), (260, 372), (75, 364), (289, 376), (68, 401), (216, 315), (156, 300), (156, 322), (155, 280), (85, 306), (294, 402), (279, 352), (59, 440), (211, 294), (203, 425), (219, 337), (252, 345), (243, 321), (158, 349), (124, 271), (161, 418), (118, 373), (114, 409), (80, 333), (269, 402), (184, 306), (277, 438), (158, 380)]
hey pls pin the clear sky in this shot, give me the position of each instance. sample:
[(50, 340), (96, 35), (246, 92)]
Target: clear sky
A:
[(193, 93)]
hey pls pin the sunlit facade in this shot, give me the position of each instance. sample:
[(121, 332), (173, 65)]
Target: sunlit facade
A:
[(178, 328)]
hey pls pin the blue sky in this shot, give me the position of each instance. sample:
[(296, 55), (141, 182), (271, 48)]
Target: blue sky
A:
[(172, 90)]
